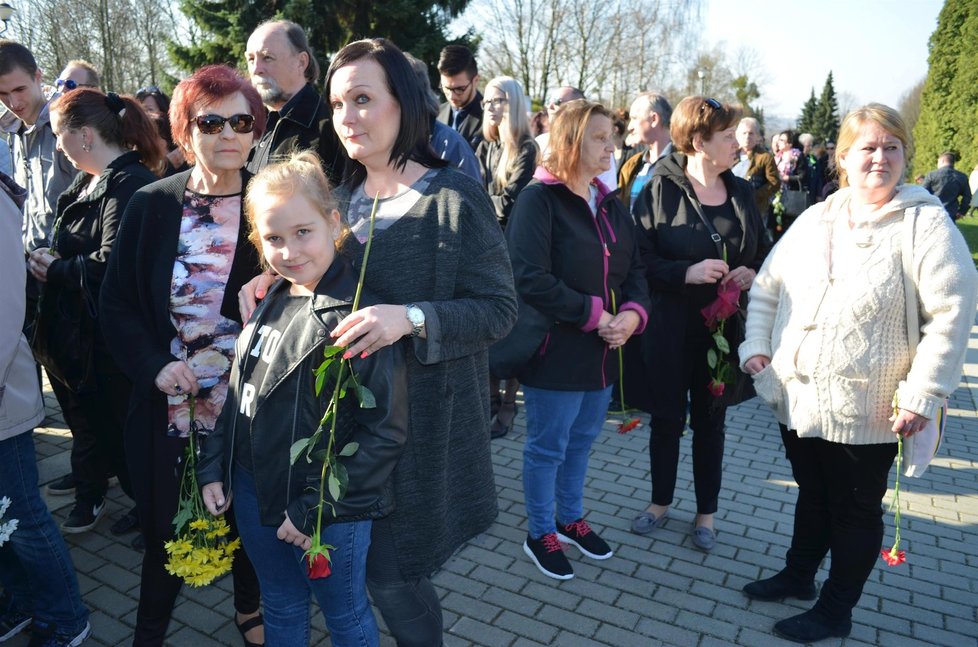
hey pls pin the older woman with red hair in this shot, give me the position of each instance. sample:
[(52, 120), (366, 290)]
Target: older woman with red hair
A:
[(170, 309)]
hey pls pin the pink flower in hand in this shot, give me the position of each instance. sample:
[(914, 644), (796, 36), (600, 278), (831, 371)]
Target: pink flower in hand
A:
[(726, 303)]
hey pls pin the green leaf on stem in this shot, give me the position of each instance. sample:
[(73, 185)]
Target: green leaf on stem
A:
[(711, 358), (319, 455), (366, 397), (297, 448), (320, 381), (350, 449), (343, 477), (334, 485), (722, 344), (332, 351)]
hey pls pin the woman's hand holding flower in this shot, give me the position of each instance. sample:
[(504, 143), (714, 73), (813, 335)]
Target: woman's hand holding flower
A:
[(710, 270), (372, 328), (288, 533), (213, 495), (907, 423), (619, 329), (742, 276), (177, 378)]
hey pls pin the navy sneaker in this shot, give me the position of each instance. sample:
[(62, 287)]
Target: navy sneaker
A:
[(12, 622), (44, 635), (580, 534)]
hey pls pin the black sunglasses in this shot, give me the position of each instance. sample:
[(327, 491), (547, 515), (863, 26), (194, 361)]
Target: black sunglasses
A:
[(149, 89), (68, 84), (213, 124)]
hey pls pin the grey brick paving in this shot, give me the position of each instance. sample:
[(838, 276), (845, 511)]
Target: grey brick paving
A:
[(654, 591)]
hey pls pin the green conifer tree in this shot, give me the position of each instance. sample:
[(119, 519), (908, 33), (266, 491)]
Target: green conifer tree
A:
[(948, 115), (825, 125), (418, 26), (806, 123)]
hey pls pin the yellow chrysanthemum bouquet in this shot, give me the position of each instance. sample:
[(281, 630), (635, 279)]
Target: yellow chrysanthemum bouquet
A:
[(200, 551)]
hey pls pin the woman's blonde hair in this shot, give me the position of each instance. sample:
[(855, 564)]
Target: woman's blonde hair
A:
[(567, 136), (886, 117), (301, 173), (515, 126)]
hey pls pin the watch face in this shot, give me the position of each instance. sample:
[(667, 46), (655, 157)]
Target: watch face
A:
[(415, 315)]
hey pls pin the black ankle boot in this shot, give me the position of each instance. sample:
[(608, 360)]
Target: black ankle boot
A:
[(812, 626), (779, 587)]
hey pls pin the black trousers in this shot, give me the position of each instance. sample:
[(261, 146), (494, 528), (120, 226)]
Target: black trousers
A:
[(156, 463), (97, 449), (706, 419), (839, 510)]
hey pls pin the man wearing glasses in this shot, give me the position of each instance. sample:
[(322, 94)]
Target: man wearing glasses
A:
[(77, 74), (460, 83), (283, 69)]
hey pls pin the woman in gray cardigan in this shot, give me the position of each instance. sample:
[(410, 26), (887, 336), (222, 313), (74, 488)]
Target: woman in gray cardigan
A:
[(439, 263)]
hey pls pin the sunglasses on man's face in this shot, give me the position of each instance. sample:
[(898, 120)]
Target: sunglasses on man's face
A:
[(213, 124), (64, 85)]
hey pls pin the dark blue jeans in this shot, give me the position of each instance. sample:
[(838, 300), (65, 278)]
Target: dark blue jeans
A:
[(560, 428), (286, 588), (35, 568)]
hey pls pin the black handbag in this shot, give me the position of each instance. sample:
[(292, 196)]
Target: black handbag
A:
[(510, 355), (62, 335)]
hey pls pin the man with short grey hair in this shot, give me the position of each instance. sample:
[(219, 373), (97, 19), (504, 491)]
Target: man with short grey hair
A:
[(283, 69), (648, 123), (756, 165)]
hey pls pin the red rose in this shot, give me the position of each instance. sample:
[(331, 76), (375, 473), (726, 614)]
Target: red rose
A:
[(318, 566), (716, 387), (726, 303)]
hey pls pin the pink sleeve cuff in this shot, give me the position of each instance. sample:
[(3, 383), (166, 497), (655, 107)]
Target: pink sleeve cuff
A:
[(597, 307), (643, 316)]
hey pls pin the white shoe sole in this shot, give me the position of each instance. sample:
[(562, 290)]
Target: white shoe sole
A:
[(16, 629), (568, 540), (529, 553), (82, 637)]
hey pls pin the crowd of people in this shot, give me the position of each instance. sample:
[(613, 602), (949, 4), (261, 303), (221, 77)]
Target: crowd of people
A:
[(184, 262)]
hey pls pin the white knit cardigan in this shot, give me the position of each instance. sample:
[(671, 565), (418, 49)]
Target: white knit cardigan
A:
[(839, 347)]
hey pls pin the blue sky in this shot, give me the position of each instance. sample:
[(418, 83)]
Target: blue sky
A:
[(877, 50)]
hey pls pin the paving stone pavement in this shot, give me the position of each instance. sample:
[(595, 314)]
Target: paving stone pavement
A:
[(660, 591)]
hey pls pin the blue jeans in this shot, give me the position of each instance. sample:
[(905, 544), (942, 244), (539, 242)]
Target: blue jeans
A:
[(560, 428), (285, 587), (35, 568)]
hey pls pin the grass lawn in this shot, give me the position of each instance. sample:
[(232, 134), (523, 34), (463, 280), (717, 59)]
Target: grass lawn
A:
[(969, 227)]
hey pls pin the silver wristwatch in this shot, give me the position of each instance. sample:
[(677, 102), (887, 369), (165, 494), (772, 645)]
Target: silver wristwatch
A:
[(416, 316)]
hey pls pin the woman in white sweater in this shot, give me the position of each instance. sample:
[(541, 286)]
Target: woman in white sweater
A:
[(827, 345)]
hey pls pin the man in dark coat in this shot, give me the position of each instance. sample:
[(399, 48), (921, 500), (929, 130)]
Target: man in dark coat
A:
[(756, 165), (460, 83), (283, 69), (950, 186)]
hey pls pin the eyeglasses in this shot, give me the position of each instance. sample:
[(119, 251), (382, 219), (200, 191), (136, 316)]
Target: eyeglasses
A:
[(149, 89), (458, 89), (495, 103), (64, 85), (713, 103), (213, 124)]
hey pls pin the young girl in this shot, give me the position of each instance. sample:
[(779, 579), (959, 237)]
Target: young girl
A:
[(272, 403)]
